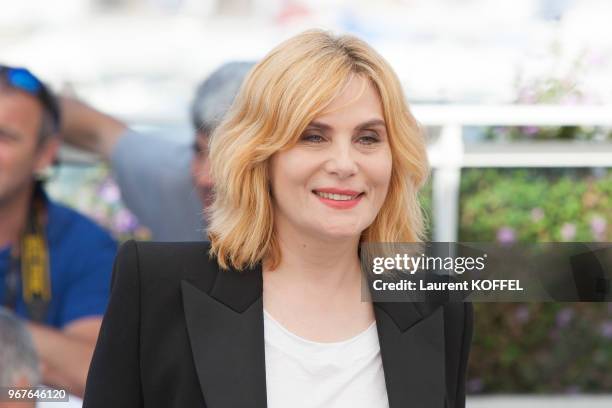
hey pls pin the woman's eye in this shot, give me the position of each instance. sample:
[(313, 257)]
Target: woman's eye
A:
[(312, 138), (369, 139)]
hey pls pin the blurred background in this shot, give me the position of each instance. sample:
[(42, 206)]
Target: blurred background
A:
[(515, 98)]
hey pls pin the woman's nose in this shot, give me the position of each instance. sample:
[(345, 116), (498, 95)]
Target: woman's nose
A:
[(341, 161)]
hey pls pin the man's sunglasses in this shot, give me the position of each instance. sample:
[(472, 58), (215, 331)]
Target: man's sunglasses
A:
[(22, 79)]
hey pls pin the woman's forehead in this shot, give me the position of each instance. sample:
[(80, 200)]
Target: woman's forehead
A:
[(357, 101)]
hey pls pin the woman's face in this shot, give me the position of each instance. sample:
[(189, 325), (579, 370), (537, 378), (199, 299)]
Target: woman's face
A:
[(333, 182)]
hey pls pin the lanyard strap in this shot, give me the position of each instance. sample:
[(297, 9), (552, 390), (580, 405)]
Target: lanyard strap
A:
[(12, 279), (31, 258)]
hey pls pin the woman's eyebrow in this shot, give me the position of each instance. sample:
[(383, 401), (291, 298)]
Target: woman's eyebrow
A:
[(368, 124), (319, 125), (372, 123)]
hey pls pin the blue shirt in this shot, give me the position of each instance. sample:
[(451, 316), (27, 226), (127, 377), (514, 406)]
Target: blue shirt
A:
[(81, 257)]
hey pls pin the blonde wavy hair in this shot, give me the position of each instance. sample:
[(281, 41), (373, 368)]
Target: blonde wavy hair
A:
[(280, 96)]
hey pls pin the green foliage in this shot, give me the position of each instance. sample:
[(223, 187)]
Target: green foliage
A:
[(564, 133), (425, 198), (539, 347), (537, 205)]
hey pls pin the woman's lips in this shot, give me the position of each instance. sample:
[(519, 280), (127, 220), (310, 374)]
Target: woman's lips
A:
[(342, 201), (332, 190)]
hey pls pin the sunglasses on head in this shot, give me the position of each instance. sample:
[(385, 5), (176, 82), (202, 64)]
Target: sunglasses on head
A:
[(24, 80)]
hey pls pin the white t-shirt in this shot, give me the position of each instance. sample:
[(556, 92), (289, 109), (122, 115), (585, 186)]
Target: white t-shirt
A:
[(303, 373)]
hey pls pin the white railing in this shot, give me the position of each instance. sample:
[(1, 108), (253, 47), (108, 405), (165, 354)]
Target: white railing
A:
[(449, 153), (540, 401)]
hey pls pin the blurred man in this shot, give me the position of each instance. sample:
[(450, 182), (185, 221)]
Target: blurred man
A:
[(19, 366), (164, 183), (55, 264)]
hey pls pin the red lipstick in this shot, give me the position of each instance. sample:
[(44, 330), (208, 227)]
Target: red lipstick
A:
[(339, 202)]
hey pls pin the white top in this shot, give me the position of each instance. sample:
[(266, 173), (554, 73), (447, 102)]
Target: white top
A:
[(303, 373)]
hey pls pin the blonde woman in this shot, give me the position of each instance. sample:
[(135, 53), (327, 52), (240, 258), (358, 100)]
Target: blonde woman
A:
[(318, 154)]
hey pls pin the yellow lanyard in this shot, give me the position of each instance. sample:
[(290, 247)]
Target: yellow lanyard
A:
[(32, 259)]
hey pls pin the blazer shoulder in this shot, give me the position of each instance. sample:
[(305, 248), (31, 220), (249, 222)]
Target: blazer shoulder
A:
[(171, 260), (160, 250)]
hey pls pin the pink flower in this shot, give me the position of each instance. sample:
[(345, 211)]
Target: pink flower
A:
[(571, 99), (598, 59), (109, 192), (124, 221), (568, 231), (537, 214), (522, 314), (475, 385), (598, 227), (506, 235), (530, 130), (564, 317), (606, 329), (573, 389)]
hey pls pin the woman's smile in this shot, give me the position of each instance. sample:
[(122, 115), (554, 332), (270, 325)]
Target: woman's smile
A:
[(338, 198)]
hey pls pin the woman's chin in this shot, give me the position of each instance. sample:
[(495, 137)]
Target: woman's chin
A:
[(340, 233)]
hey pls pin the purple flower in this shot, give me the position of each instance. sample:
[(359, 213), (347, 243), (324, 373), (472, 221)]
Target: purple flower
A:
[(501, 131), (475, 385), (598, 227), (537, 214), (506, 235), (124, 221), (568, 231), (606, 329), (572, 389), (109, 192), (564, 316), (597, 59), (522, 314), (530, 130)]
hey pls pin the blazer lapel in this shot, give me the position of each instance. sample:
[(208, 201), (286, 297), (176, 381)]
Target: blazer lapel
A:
[(411, 340), (225, 329)]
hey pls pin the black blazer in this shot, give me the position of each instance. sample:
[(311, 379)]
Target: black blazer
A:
[(178, 332)]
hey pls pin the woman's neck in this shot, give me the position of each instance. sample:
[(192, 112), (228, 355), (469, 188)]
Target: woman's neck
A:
[(315, 291), (316, 261)]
